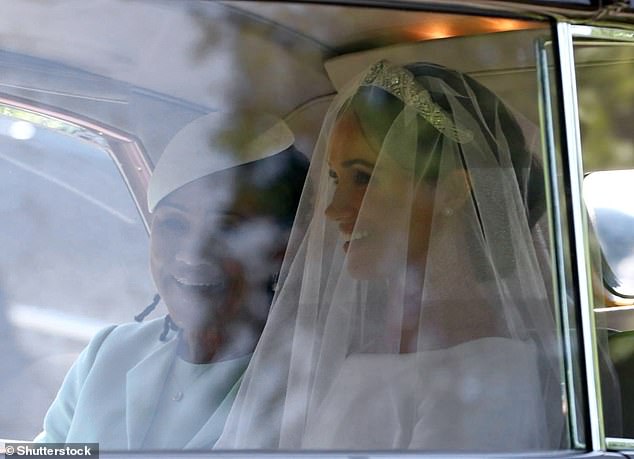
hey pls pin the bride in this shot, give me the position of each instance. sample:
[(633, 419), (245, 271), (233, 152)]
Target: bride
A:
[(414, 309)]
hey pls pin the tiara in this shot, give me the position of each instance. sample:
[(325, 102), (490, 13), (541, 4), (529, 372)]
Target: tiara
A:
[(401, 83)]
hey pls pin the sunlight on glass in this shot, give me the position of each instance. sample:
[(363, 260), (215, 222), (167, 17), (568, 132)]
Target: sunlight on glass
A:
[(21, 130), (610, 190)]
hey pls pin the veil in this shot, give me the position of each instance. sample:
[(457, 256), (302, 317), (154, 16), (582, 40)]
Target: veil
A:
[(413, 309)]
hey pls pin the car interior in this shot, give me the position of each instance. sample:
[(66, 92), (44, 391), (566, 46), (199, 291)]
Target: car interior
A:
[(91, 96)]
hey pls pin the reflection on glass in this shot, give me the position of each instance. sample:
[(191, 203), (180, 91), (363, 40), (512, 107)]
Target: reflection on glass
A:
[(222, 197), (416, 312), (73, 257), (214, 262), (609, 196), (605, 94)]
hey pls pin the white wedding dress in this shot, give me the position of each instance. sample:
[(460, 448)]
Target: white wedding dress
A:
[(410, 401)]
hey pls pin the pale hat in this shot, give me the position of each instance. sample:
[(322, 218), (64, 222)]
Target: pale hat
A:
[(216, 142)]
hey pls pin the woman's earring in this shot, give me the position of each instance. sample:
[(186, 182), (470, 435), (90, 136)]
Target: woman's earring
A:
[(148, 309), (168, 325)]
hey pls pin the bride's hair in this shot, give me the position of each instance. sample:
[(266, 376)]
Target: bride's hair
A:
[(376, 109)]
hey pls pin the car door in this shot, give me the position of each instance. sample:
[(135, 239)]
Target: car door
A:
[(91, 94)]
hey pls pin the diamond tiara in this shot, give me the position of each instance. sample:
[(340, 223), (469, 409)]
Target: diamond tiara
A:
[(401, 83)]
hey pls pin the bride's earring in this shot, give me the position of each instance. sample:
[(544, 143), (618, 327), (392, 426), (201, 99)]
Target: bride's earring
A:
[(272, 283)]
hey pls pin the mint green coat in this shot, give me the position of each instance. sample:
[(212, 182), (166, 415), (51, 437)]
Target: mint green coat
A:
[(112, 391)]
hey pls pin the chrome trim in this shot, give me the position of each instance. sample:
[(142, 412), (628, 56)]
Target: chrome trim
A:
[(580, 243), (602, 33), (125, 151), (556, 227), (621, 444)]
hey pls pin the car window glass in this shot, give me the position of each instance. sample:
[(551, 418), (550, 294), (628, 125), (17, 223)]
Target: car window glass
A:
[(74, 257), (608, 151), (349, 239)]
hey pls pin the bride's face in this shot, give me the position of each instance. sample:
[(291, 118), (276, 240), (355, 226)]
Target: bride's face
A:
[(383, 216)]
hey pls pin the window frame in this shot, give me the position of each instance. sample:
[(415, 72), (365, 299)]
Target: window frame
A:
[(566, 34), (124, 150)]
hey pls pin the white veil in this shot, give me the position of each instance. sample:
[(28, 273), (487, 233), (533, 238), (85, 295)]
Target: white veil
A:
[(435, 329)]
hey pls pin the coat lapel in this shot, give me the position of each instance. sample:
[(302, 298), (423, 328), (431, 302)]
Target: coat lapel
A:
[(144, 386)]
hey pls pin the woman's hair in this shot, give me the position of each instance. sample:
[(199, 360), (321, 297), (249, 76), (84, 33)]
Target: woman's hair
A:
[(275, 183), (376, 110)]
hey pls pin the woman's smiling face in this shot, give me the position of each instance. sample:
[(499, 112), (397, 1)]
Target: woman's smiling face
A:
[(209, 244), (383, 215)]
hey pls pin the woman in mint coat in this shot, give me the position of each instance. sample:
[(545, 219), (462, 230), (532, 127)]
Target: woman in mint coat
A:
[(223, 197)]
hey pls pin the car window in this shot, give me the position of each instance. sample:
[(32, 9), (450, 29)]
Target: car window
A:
[(607, 160), (277, 226), (74, 256)]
